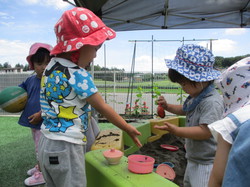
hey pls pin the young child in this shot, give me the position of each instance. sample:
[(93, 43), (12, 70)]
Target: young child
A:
[(231, 164), (193, 69), (66, 95), (38, 58)]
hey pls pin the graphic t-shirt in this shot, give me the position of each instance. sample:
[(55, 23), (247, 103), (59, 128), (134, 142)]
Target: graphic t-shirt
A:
[(64, 88)]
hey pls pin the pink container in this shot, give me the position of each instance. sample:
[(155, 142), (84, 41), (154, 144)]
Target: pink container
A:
[(113, 156), (140, 164)]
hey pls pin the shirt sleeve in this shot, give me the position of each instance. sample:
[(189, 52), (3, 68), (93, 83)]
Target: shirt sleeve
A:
[(82, 83), (224, 127)]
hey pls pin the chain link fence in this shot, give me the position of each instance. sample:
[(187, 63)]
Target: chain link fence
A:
[(120, 90)]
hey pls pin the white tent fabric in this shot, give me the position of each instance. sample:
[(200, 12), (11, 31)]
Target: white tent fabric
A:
[(124, 15)]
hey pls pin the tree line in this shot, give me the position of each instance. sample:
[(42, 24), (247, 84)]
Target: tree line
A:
[(26, 67), (220, 62)]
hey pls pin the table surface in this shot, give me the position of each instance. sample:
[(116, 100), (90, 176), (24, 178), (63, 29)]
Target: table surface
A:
[(119, 175)]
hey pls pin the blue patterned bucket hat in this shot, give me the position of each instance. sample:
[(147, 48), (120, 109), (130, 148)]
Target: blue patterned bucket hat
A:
[(195, 63)]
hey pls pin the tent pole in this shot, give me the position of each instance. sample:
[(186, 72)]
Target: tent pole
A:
[(105, 66), (152, 78)]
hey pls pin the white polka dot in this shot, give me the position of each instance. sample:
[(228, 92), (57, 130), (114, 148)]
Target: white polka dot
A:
[(65, 43), (62, 38), (110, 33), (83, 17), (73, 13), (79, 45), (59, 29), (85, 29), (80, 9), (69, 47), (94, 24)]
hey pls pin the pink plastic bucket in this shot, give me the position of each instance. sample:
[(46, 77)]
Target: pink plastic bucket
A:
[(140, 164)]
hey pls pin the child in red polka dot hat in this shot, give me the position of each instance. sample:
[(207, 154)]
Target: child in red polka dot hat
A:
[(68, 94)]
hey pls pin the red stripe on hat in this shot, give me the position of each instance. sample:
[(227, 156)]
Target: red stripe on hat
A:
[(193, 63)]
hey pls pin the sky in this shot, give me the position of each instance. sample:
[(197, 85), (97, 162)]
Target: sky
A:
[(24, 22)]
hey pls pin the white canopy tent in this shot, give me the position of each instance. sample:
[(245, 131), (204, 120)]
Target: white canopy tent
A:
[(128, 15), (124, 15)]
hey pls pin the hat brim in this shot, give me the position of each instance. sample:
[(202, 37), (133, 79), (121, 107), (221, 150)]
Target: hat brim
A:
[(192, 72), (93, 39), (34, 48)]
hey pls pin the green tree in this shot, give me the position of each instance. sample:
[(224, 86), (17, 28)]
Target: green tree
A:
[(6, 65), (26, 67), (19, 65)]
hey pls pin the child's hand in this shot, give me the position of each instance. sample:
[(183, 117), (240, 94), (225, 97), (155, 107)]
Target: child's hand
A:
[(133, 133), (162, 102), (168, 127), (35, 118)]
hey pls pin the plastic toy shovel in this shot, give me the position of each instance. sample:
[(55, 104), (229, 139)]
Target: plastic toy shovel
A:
[(160, 111), (169, 147)]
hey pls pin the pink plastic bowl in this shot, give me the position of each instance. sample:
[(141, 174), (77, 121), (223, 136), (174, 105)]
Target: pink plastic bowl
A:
[(140, 164)]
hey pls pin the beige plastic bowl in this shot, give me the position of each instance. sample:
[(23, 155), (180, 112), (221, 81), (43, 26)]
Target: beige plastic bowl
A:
[(113, 156)]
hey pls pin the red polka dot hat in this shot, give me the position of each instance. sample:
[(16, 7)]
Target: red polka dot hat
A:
[(78, 27)]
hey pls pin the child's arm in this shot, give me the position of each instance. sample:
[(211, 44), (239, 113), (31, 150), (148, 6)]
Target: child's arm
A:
[(35, 118), (175, 109), (97, 102), (220, 162), (200, 132)]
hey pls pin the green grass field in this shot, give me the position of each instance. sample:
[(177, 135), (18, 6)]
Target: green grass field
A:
[(17, 151), (122, 87)]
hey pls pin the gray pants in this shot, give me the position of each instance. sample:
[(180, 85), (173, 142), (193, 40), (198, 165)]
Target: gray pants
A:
[(62, 163), (197, 175)]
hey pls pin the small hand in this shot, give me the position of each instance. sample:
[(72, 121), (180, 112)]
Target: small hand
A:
[(133, 133), (162, 102), (35, 118), (171, 128)]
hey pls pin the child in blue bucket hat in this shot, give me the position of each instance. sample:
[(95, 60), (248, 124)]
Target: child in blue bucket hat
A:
[(192, 68)]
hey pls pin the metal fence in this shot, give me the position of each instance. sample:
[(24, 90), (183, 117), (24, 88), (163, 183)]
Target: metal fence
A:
[(118, 89)]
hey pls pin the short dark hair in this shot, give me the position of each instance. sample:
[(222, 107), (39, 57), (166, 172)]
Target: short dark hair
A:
[(41, 55), (175, 76)]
